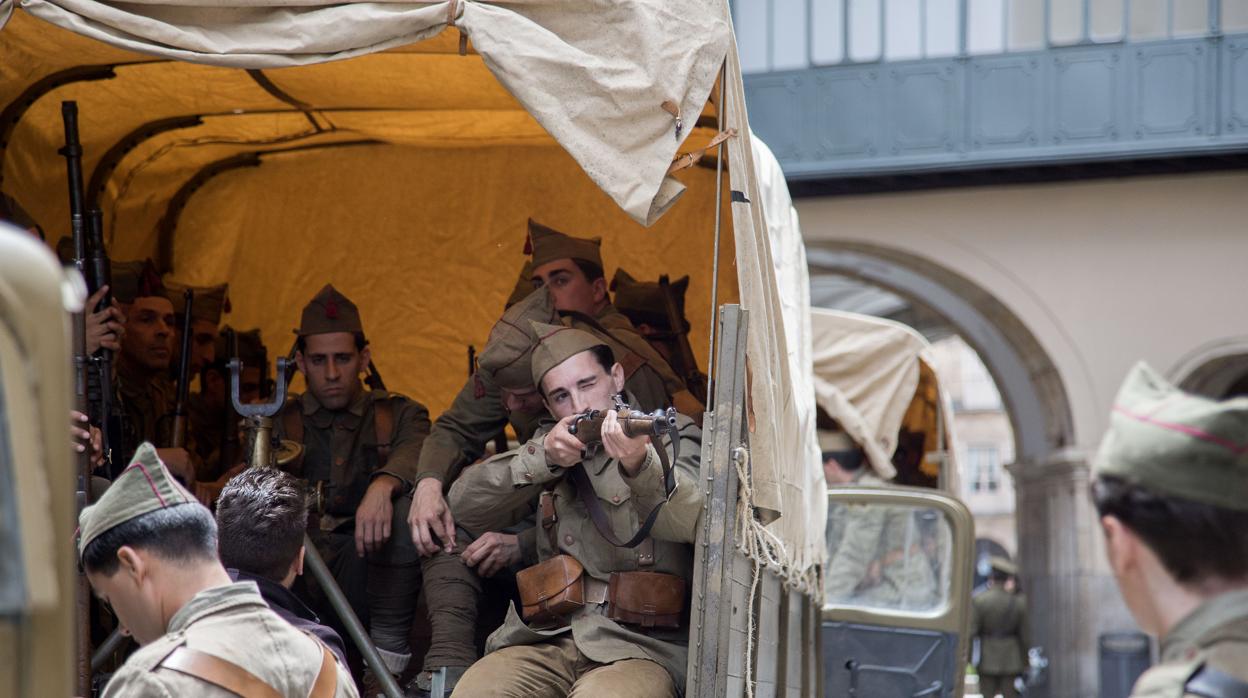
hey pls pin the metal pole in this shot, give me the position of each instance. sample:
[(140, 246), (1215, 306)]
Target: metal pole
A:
[(719, 209), (115, 642), (844, 45), (963, 20), (1087, 20), (316, 564)]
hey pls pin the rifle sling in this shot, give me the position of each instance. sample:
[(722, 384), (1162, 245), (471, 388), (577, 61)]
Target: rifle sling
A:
[(585, 490)]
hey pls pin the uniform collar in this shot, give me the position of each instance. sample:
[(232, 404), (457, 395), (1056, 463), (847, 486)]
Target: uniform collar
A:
[(1190, 633), (311, 405), (215, 600), (274, 593)]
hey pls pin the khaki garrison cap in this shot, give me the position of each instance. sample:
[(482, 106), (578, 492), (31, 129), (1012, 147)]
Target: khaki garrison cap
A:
[(524, 286), (1003, 565), (556, 344), (143, 487), (131, 280), (506, 355), (547, 245), (643, 303), (833, 441), (210, 301), (1176, 444), (329, 311)]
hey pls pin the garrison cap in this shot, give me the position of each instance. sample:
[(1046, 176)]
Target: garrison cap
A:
[(507, 354), (329, 311), (556, 344), (251, 351), (1003, 565), (143, 487), (834, 441), (547, 245), (642, 302), (210, 301), (1177, 444), (524, 286), (136, 279)]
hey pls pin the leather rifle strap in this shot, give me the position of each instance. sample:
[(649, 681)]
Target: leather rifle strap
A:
[(218, 672), (383, 421), (292, 429), (326, 683), (585, 490)]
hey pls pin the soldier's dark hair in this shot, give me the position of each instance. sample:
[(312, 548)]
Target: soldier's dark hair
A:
[(301, 342), (182, 533), (851, 461), (592, 271), (1193, 540), (262, 514), (999, 577), (606, 357)]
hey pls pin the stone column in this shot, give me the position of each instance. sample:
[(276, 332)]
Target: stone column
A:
[(1071, 595)]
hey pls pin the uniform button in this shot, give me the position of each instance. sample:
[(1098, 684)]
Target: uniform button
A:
[(340, 460), (528, 476), (567, 540), (532, 450), (616, 499)]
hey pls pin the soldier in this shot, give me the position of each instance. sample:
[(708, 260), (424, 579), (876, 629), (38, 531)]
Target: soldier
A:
[(999, 620), (261, 517), (360, 453), (145, 395), (150, 552), (634, 645), (209, 303), (1169, 483), (657, 310), (878, 559)]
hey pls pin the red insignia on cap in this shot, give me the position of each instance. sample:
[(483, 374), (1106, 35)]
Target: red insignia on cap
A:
[(331, 309), (528, 244)]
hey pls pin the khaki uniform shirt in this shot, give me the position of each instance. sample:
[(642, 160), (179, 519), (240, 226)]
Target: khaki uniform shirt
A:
[(1214, 635), (999, 620), (213, 622), (877, 559), (340, 446), (488, 495), (147, 403), (477, 414), (206, 426)]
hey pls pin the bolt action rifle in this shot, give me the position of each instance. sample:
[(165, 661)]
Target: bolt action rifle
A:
[(82, 369), (682, 360), (178, 439)]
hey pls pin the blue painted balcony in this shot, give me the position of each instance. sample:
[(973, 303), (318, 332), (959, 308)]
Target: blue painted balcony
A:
[(860, 88)]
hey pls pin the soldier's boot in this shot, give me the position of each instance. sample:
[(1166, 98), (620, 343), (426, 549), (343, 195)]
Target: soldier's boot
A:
[(438, 683)]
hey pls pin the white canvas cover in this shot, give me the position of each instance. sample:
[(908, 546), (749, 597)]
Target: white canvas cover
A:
[(867, 371), (408, 169)]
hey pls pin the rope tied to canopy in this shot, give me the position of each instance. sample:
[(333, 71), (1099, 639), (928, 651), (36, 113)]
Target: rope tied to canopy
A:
[(453, 10)]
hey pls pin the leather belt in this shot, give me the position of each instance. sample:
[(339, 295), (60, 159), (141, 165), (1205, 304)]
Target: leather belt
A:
[(595, 590)]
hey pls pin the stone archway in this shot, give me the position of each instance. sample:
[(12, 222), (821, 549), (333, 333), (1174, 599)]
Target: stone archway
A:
[(1217, 370), (1071, 594)]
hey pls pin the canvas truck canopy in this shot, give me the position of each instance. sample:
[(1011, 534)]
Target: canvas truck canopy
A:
[(875, 378), (282, 145)]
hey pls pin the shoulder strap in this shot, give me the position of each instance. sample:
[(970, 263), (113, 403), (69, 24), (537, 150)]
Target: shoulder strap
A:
[(585, 490), (1208, 682), (292, 430), (326, 684), (383, 422), (218, 672)]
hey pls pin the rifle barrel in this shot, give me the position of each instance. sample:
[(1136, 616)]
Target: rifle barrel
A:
[(184, 373)]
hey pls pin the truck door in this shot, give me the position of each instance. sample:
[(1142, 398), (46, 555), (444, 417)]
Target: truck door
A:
[(896, 593)]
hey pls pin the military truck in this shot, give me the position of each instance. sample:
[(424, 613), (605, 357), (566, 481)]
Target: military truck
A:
[(398, 150)]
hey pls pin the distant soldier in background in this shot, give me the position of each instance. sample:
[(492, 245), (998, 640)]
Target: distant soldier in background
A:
[(999, 620), (1170, 482)]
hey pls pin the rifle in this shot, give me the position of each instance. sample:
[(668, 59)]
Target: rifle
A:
[(683, 361), (228, 450), (588, 425), (184, 374), (73, 165), (373, 377), (99, 274)]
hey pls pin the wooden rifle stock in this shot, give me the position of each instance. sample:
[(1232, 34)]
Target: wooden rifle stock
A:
[(588, 426), (73, 162)]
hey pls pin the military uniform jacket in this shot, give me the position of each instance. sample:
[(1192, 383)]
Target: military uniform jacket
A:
[(207, 429), (885, 538), (487, 495), (341, 449), (213, 622), (1215, 635), (999, 620), (477, 414), (144, 405)]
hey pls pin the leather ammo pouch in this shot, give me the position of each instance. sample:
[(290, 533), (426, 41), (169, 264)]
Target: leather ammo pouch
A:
[(648, 599), (552, 589)]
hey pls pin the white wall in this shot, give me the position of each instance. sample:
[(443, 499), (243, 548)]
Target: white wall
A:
[(1102, 272)]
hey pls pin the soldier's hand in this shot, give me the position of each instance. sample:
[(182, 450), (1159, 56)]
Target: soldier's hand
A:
[(85, 436), (430, 516), (103, 328), (630, 451), (492, 552), (372, 517), (178, 460), (561, 446)]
